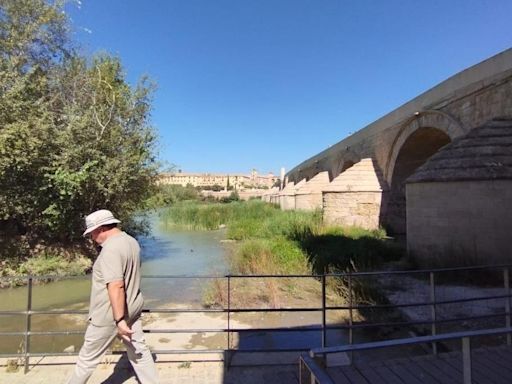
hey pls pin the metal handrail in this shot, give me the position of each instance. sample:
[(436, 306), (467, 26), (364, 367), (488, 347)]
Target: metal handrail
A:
[(324, 308), (317, 375), (337, 274), (321, 353), (314, 352)]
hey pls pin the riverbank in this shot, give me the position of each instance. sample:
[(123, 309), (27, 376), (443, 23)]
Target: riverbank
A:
[(55, 263), (268, 241)]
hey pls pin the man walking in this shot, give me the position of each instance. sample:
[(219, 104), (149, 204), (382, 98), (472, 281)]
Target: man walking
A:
[(116, 301)]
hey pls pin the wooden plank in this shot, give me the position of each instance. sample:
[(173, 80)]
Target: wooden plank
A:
[(338, 377), (371, 376), (404, 374), (422, 372), (354, 375), (498, 376), (453, 361), (445, 373), (477, 376), (490, 366), (484, 371), (504, 354), (389, 376), (493, 361)]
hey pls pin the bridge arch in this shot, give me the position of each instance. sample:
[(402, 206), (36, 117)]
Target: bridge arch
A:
[(343, 161), (418, 139), (426, 119)]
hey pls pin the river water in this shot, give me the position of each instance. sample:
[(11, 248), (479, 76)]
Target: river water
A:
[(164, 252)]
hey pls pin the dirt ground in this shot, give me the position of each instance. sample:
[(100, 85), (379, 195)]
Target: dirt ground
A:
[(116, 369)]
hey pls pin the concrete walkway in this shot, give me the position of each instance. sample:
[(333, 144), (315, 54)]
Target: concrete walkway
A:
[(116, 369)]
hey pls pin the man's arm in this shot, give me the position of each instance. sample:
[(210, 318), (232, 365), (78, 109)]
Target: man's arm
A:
[(117, 298)]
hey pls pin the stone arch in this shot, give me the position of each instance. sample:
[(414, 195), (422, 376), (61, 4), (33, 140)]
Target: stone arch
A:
[(347, 164), (419, 139), (426, 119), (343, 162)]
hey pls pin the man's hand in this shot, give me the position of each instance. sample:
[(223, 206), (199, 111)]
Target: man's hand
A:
[(124, 331)]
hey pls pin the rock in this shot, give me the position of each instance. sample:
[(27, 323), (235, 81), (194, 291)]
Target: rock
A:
[(222, 226)]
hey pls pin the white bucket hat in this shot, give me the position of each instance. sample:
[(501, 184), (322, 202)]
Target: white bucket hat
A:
[(99, 218)]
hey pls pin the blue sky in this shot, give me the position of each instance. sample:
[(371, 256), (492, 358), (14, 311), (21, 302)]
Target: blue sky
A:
[(267, 84)]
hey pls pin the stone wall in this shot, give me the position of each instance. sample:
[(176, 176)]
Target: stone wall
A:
[(287, 202), (468, 220), (361, 209), (308, 202), (355, 197), (309, 195), (243, 195)]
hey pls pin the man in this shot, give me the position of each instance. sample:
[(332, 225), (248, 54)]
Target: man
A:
[(116, 301)]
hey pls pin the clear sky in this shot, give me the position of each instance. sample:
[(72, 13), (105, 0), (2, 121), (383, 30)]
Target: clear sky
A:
[(267, 84)]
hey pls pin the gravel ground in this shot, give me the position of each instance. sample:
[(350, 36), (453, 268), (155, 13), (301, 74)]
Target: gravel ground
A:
[(401, 289)]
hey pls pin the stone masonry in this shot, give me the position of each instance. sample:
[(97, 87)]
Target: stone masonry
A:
[(309, 196), (355, 197)]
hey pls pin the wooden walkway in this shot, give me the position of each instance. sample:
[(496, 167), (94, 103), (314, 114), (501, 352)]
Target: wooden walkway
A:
[(489, 366)]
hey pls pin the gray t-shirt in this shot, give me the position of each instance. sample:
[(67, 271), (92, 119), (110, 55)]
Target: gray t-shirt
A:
[(119, 259)]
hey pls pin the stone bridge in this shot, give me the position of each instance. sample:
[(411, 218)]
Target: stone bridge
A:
[(364, 179)]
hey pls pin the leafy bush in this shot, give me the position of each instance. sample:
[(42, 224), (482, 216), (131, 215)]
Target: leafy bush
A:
[(76, 135), (54, 265)]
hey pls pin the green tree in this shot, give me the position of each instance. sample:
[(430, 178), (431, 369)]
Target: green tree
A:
[(32, 39), (74, 135), (106, 146)]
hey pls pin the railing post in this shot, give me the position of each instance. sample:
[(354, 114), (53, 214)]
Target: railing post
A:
[(227, 353), (506, 281), (28, 324), (300, 369), (466, 359), (351, 316), (350, 311), (229, 312), (324, 319), (433, 310)]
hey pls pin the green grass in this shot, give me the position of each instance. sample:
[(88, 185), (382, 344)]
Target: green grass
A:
[(275, 241), (271, 241), (47, 264), (267, 237)]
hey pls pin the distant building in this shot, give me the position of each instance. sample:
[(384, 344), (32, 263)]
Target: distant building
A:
[(236, 181)]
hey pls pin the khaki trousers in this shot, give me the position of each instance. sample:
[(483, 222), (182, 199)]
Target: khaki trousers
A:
[(96, 342)]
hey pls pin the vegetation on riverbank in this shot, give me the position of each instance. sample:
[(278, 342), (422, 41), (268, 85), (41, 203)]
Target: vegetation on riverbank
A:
[(275, 241), (43, 260), (271, 241), (75, 137), (44, 265), (169, 194)]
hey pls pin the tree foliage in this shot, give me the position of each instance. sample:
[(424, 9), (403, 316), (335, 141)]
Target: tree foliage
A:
[(75, 136)]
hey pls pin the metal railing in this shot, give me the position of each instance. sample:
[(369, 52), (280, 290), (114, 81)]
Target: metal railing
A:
[(317, 374), (350, 326), (314, 373)]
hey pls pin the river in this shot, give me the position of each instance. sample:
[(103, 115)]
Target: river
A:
[(164, 252)]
